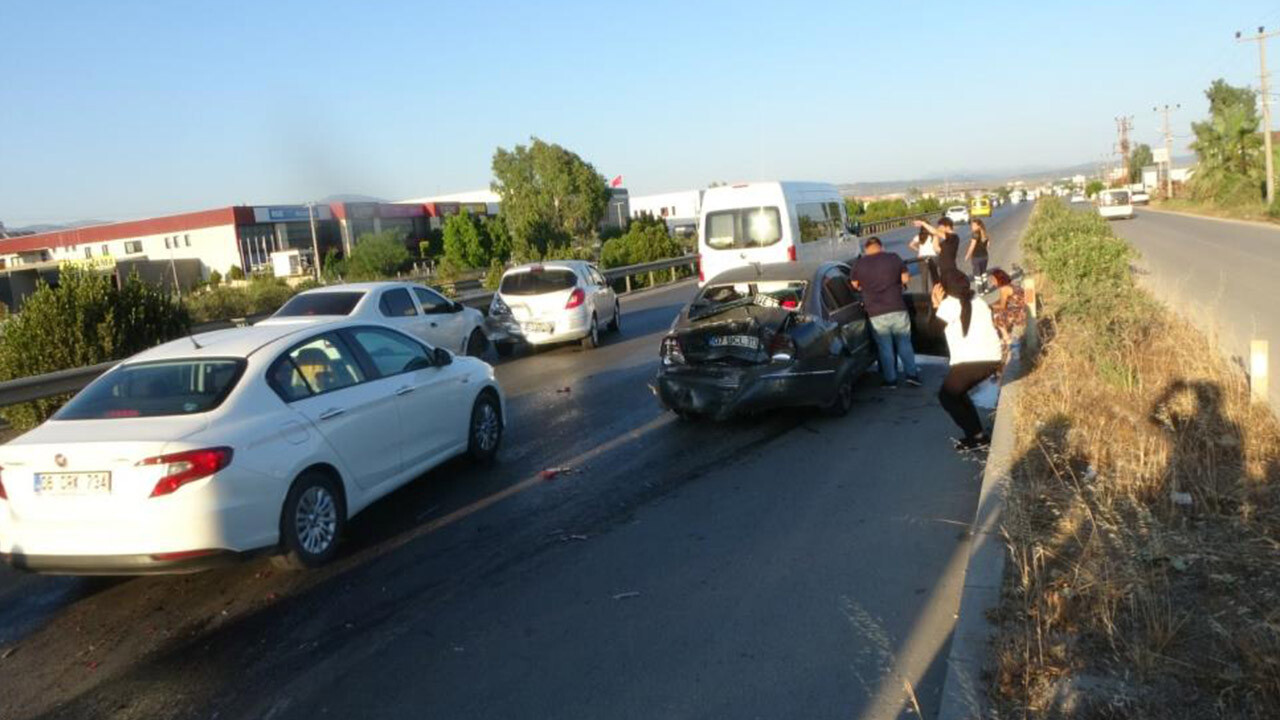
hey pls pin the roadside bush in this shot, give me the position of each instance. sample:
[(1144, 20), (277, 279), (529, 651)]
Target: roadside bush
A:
[(261, 296), (463, 243), (377, 256), (215, 278), (646, 240), (86, 320), (235, 273), (493, 278)]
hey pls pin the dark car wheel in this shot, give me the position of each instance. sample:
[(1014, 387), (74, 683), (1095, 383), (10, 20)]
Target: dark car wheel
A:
[(505, 349), (616, 324), (592, 340), (842, 402), (477, 343), (485, 433), (311, 522)]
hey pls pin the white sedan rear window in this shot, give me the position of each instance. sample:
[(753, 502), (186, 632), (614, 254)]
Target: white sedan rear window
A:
[(173, 387)]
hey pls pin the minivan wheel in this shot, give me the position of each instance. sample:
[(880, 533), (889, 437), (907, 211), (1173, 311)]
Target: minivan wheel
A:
[(477, 343), (485, 433), (311, 522), (842, 402), (592, 340)]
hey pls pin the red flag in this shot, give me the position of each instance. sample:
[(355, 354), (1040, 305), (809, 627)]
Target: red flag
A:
[(616, 182)]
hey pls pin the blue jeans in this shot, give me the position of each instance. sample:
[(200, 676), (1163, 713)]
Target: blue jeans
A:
[(892, 332)]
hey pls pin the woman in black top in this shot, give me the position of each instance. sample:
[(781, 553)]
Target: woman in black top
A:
[(979, 253)]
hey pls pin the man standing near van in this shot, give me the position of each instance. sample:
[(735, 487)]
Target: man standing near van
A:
[(881, 277)]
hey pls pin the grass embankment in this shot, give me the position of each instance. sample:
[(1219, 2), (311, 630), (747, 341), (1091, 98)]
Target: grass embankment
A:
[(1143, 516), (1256, 212)]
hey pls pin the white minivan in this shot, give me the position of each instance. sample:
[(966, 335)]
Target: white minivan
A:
[(1115, 204), (772, 222)]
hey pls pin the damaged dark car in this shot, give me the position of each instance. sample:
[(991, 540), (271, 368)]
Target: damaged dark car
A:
[(767, 336)]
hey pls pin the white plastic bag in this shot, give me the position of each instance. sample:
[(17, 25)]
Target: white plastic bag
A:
[(986, 393)]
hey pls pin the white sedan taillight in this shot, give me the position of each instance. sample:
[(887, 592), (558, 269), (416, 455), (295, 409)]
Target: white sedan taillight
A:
[(187, 466)]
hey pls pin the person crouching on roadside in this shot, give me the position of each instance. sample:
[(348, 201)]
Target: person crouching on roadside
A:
[(1009, 311), (881, 277), (975, 351)]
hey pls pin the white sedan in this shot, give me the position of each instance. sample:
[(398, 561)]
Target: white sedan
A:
[(265, 438), (410, 307), (958, 214)]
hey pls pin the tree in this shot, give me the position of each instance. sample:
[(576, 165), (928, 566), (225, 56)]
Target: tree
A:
[(377, 255), (550, 196), (494, 233), (463, 243), (1229, 147), (85, 320), (1139, 158), (1093, 187)]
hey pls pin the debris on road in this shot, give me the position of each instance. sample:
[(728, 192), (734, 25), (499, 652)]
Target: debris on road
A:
[(8, 652), (1181, 498), (552, 473), (563, 391), (626, 595)]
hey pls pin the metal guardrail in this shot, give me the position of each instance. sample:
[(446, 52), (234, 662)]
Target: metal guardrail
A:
[(872, 228), (38, 387)]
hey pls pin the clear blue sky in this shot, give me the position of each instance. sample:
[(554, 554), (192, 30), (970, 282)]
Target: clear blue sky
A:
[(126, 109)]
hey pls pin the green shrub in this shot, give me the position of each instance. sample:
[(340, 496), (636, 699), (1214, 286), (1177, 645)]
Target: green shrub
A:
[(463, 243), (377, 256), (308, 284), (215, 278), (493, 278), (235, 273), (86, 320)]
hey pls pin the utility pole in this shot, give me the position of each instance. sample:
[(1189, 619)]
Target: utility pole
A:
[(1123, 125), (1261, 39), (1168, 150), (315, 245)]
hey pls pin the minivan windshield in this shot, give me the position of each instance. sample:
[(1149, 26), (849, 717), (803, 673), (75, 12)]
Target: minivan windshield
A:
[(168, 387), (743, 228), (538, 281), (321, 303), (1115, 197)]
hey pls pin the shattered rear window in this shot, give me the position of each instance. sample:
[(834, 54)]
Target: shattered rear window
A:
[(715, 299)]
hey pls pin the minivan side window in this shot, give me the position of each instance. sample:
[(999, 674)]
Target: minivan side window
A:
[(816, 221), (743, 228), (397, 303)]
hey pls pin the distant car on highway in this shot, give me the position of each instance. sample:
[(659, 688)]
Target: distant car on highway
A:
[(980, 207), (773, 222), (409, 307), (260, 439), (552, 302), (958, 214), (1115, 204), (1140, 197), (1079, 198), (765, 336)]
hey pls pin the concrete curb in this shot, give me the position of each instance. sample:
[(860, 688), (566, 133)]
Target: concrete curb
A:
[(963, 690)]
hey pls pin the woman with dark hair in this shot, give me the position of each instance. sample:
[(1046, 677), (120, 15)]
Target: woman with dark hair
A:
[(979, 250), (926, 248), (946, 241), (1009, 311), (975, 352)]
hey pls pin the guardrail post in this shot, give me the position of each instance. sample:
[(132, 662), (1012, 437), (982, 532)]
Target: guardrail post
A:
[(651, 282), (628, 279), (1258, 370), (1029, 294), (673, 273)]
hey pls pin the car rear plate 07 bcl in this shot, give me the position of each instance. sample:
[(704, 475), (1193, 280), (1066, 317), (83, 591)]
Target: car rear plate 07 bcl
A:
[(73, 483), (749, 342)]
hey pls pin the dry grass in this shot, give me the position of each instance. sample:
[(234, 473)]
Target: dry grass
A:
[(1143, 523)]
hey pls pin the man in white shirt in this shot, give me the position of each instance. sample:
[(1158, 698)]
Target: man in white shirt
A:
[(974, 346)]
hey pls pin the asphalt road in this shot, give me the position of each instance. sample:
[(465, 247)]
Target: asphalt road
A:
[(1221, 275), (782, 566)]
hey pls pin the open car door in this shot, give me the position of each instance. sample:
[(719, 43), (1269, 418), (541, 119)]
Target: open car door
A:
[(927, 331)]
